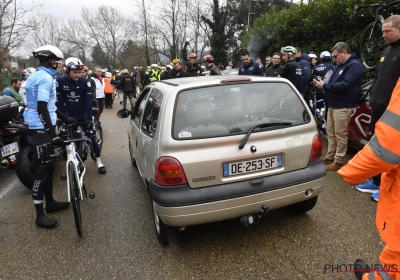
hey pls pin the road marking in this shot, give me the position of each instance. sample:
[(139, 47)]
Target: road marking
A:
[(8, 188)]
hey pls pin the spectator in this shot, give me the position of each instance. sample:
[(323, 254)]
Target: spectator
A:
[(13, 91), (313, 58), (100, 95), (177, 72), (230, 64), (321, 70), (196, 66), (268, 63), (304, 61), (291, 70), (249, 66), (275, 68), (342, 92), (221, 66), (128, 86), (386, 75), (189, 70), (209, 62), (165, 74)]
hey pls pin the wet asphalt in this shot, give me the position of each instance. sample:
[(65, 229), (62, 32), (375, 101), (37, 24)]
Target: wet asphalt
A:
[(119, 241)]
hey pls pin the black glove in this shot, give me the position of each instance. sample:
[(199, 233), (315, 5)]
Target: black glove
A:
[(55, 140), (71, 120)]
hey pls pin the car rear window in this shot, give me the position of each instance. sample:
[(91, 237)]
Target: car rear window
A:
[(223, 110)]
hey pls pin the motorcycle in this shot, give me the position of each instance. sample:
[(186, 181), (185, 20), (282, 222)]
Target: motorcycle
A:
[(9, 131)]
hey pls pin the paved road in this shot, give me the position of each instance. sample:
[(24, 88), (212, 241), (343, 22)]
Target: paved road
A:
[(119, 240)]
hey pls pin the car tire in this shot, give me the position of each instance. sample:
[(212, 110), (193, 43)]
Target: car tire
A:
[(304, 206), (166, 235), (133, 159), (25, 168)]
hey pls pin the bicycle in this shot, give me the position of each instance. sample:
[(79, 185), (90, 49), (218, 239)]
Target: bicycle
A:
[(372, 44), (76, 170)]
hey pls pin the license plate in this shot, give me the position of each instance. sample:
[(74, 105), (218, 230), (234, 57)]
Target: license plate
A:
[(9, 149), (243, 167)]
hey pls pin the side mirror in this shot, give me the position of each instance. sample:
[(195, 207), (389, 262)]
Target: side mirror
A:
[(123, 113)]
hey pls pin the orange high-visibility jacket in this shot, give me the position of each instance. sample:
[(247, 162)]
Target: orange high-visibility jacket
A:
[(108, 88), (382, 155)]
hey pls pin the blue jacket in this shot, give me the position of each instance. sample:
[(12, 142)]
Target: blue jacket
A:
[(74, 99), (344, 85), (321, 69), (304, 62), (40, 86), (252, 69)]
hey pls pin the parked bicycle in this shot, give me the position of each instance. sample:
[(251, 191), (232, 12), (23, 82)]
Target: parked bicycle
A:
[(75, 167), (372, 43)]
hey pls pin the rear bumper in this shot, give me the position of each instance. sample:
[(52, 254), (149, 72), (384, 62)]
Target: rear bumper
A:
[(184, 206)]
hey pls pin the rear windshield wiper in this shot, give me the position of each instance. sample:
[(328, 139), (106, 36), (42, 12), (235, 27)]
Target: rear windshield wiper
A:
[(262, 125)]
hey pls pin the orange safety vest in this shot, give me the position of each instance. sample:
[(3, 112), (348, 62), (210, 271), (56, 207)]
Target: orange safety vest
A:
[(108, 87), (382, 155)]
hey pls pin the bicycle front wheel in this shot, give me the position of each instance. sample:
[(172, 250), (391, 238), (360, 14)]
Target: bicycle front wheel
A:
[(75, 197), (372, 45)]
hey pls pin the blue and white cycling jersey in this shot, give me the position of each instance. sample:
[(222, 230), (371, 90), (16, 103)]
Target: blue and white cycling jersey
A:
[(40, 86)]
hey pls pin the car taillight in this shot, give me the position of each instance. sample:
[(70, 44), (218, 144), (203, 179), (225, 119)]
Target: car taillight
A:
[(9, 131), (316, 149), (169, 172)]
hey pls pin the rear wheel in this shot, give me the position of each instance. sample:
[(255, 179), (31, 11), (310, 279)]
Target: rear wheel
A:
[(75, 197), (166, 235), (304, 206), (371, 45)]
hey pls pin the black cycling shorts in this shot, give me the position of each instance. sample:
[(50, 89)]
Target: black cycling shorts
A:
[(43, 150)]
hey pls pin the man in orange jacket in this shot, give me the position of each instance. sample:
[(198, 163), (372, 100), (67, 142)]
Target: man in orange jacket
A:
[(382, 155)]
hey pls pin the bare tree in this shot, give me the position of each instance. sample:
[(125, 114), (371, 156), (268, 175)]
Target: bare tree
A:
[(50, 35), (79, 39), (109, 28), (143, 26)]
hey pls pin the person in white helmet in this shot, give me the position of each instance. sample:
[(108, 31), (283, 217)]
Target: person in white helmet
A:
[(41, 114)]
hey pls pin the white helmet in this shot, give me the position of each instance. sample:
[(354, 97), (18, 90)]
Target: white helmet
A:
[(154, 65), (48, 52), (73, 63), (108, 75), (125, 71)]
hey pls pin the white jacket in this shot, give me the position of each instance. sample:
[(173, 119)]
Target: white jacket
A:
[(99, 87)]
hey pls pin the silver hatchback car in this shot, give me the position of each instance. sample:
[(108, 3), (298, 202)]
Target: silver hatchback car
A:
[(217, 147)]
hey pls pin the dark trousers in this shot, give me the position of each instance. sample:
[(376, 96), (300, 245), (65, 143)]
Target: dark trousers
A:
[(108, 100), (101, 107)]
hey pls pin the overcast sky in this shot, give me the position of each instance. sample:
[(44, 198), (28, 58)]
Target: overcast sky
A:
[(72, 8)]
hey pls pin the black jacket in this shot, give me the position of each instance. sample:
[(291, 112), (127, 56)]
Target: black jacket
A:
[(386, 76), (127, 83), (198, 69), (304, 62), (292, 72), (191, 72), (165, 75), (273, 70), (177, 74)]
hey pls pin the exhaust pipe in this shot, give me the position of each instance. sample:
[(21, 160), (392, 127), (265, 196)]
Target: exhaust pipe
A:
[(5, 164)]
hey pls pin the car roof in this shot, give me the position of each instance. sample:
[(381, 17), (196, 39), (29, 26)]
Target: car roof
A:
[(190, 82)]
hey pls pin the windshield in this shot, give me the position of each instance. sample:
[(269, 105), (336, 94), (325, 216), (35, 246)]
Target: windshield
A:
[(217, 111)]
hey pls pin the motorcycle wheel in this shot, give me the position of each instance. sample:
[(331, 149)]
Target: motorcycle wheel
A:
[(25, 168)]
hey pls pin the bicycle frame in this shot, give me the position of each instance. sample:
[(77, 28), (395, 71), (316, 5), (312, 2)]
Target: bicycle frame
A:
[(380, 6), (71, 152)]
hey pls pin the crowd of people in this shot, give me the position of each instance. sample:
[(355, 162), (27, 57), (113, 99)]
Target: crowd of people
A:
[(80, 95)]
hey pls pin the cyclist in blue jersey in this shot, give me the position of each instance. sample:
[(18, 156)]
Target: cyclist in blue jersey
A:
[(40, 115), (74, 95)]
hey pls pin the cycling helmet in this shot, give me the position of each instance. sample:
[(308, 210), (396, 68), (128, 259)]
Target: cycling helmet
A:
[(108, 75), (136, 68), (312, 55), (208, 58), (48, 52), (154, 65), (73, 63), (175, 60), (193, 55), (289, 50), (28, 71), (125, 71), (90, 72), (169, 67), (325, 55)]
